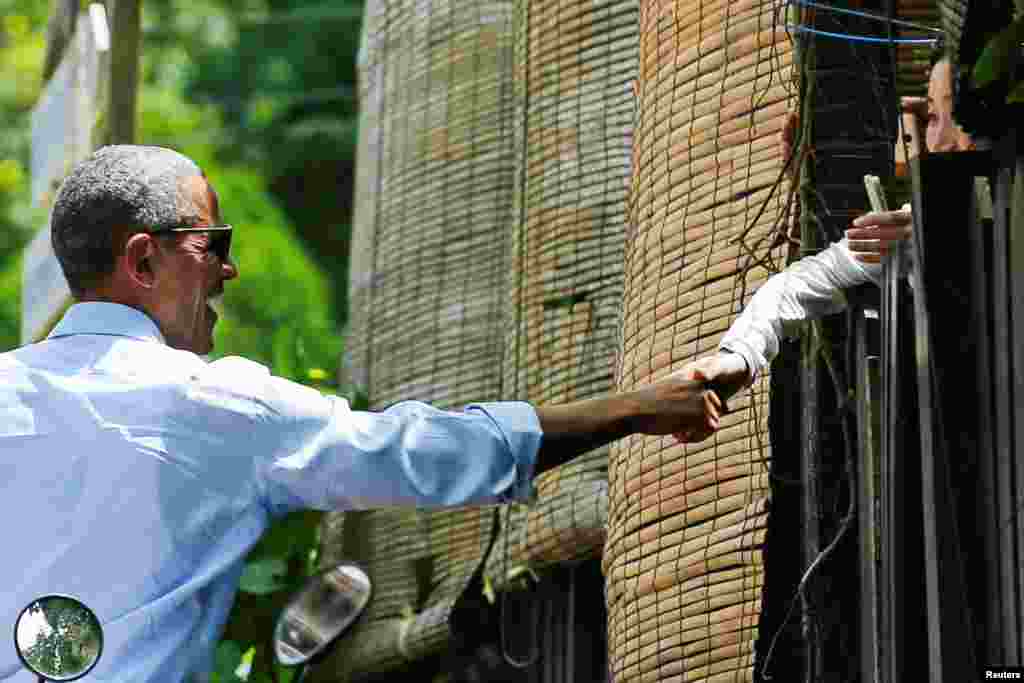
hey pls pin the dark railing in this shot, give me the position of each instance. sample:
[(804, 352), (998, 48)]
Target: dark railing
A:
[(943, 591)]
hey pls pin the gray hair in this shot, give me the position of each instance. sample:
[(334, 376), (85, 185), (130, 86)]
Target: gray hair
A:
[(118, 187)]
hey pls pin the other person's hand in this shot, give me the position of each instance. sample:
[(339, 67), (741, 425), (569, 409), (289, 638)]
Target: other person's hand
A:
[(874, 234)]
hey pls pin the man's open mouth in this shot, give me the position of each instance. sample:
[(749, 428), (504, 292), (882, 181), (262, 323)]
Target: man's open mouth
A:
[(216, 304)]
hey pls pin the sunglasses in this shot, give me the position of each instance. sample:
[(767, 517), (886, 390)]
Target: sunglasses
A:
[(220, 238)]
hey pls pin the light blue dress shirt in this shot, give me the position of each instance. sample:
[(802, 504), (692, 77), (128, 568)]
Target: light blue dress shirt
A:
[(136, 477)]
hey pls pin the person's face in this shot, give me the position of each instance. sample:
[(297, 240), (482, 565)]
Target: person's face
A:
[(189, 274), (943, 133)]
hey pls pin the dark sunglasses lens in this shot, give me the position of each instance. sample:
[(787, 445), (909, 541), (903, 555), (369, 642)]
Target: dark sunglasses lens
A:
[(220, 244)]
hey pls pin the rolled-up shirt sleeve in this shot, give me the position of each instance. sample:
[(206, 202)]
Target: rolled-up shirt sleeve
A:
[(809, 288), (320, 454)]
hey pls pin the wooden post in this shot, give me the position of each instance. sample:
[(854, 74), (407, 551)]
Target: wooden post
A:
[(59, 30), (125, 23)]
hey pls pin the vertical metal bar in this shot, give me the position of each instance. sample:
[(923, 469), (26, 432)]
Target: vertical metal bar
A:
[(1015, 252), (570, 630), (553, 653), (892, 622), (1002, 417), (980, 240), (928, 475), (942, 188), (868, 391), (812, 523), (926, 402)]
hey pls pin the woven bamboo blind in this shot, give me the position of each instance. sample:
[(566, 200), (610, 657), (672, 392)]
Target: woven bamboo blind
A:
[(912, 61), (364, 215), (683, 560), (429, 265), (575, 61)]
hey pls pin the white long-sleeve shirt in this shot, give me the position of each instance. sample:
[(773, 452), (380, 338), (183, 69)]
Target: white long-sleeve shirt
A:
[(809, 288)]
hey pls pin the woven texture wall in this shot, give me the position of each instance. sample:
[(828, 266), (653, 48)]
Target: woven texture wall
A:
[(575, 61), (912, 61), (428, 267), (356, 362), (683, 560)]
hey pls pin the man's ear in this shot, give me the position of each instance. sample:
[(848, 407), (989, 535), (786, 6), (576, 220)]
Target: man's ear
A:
[(137, 257)]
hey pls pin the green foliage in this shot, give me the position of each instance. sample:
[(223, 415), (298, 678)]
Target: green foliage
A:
[(1000, 56), (283, 75), (261, 93), (1016, 95), (1000, 60), (264, 576), (22, 24), (10, 302)]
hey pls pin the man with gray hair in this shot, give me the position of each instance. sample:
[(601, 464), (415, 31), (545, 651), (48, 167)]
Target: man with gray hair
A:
[(136, 475)]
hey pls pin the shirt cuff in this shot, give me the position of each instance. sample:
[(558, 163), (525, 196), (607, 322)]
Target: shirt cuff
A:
[(520, 425), (756, 363)]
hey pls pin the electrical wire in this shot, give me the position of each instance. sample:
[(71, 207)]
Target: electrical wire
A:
[(862, 39), (890, 22)]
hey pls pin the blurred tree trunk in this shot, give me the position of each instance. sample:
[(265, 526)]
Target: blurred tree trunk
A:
[(59, 30), (125, 32)]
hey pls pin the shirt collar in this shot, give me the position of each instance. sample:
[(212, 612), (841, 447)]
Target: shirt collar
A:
[(101, 317)]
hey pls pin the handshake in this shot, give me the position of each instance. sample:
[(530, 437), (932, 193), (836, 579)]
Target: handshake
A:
[(688, 403)]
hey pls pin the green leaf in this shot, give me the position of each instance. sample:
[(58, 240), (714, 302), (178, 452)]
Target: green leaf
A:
[(265, 576), (997, 57), (294, 533), (225, 660), (244, 668), (1016, 95)]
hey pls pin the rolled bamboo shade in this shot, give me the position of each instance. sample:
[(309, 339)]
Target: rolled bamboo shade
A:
[(429, 264), (912, 61), (683, 558), (575, 61)]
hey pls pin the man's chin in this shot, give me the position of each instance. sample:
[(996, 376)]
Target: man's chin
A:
[(200, 347)]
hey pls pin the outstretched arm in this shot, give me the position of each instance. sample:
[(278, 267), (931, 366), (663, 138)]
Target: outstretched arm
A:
[(675, 404), (809, 288)]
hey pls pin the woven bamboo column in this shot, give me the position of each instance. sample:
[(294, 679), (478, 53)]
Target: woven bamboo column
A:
[(434, 197), (355, 367), (683, 559), (575, 61)]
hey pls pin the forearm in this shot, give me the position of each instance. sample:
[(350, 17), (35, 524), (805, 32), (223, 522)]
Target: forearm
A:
[(809, 288), (572, 429)]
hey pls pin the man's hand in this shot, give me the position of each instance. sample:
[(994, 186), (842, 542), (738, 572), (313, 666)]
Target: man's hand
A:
[(725, 374), (873, 235), (681, 401)]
